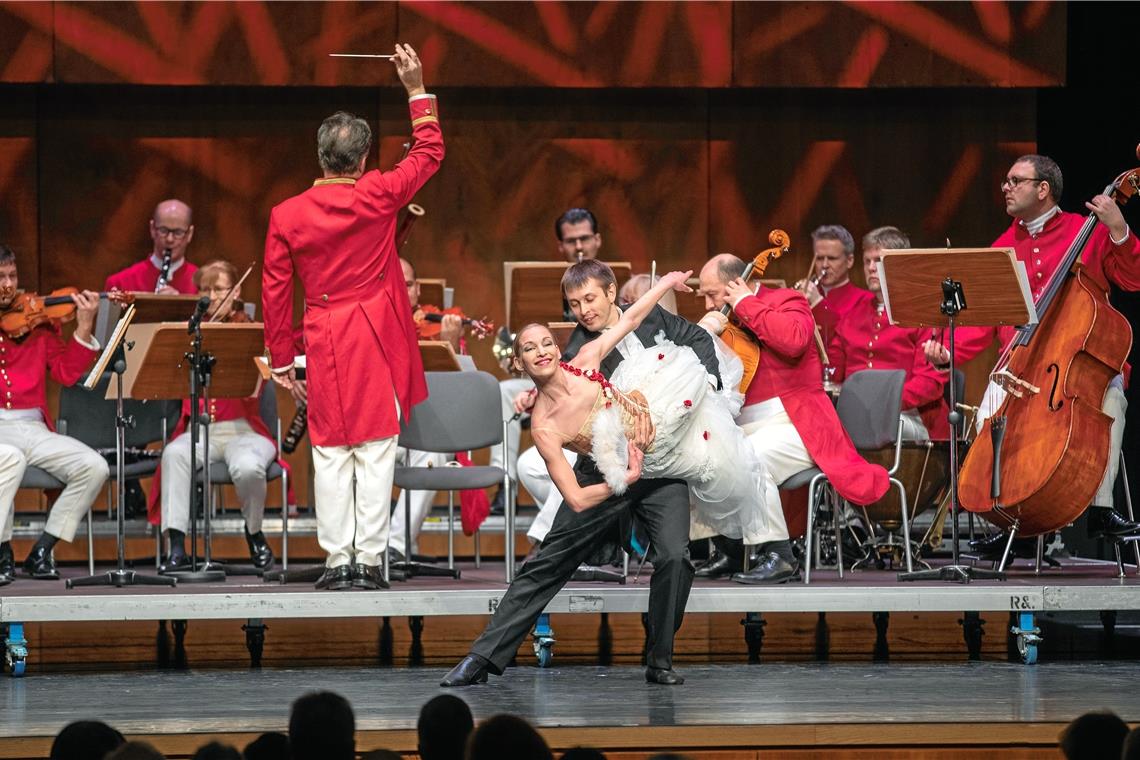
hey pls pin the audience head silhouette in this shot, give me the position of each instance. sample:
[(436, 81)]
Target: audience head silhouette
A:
[(322, 727), (1093, 736), (85, 740), (273, 745), (136, 751), (502, 736), (217, 751), (444, 724)]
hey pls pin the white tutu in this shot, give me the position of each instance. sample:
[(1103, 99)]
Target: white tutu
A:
[(696, 438)]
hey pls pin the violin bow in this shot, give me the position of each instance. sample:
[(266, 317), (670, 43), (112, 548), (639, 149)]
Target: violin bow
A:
[(220, 312)]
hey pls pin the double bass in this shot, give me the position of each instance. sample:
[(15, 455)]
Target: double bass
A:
[(1039, 459)]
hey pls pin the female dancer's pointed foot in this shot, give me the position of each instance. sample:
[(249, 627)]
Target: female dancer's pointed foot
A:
[(471, 669)]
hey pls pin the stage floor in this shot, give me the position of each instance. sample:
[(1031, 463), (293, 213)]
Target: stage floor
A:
[(958, 703)]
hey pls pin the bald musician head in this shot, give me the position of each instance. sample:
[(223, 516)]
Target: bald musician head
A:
[(171, 227), (715, 274)]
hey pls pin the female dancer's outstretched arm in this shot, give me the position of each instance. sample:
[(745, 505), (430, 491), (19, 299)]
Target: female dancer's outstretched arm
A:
[(593, 352)]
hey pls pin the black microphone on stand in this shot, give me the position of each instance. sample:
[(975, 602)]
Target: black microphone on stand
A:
[(199, 312)]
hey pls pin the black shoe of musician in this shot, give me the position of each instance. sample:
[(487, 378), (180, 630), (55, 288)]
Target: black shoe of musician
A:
[(7, 564), (368, 577), (774, 569), (471, 669), (1105, 522), (260, 553), (336, 578), (992, 547), (499, 503), (177, 559), (40, 565), (719, 565), (663, 676)]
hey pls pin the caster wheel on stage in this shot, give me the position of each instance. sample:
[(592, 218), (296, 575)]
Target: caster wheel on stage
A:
[(1028, 637), (543, 641), (15, 650)]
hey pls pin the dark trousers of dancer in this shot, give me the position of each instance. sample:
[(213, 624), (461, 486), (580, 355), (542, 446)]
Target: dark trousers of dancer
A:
[(660, 506)]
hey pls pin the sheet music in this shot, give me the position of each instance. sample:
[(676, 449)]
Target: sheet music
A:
[(886, 293), (1026, 295), (109, 346)]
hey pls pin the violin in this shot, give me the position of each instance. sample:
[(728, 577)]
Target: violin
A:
[(429, 320), (236, 314), (1038, 460), (742, 342), (29, 310)]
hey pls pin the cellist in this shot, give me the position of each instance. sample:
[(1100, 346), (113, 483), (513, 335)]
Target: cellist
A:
[(1040, 234), (788, 418)]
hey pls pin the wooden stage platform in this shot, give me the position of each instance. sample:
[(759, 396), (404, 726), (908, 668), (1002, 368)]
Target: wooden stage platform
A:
[(729, 711)]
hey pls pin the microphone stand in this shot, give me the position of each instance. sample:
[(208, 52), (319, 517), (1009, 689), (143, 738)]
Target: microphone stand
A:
[(953, 301)]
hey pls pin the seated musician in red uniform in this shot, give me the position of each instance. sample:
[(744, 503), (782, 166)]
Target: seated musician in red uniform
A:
[(238, 437), (26, 435), (171, 229), (865, 339), (1040, 234), (419, 502), (830, 292), (788, 418)]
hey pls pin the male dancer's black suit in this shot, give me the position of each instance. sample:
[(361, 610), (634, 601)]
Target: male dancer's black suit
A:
[(660, 505)]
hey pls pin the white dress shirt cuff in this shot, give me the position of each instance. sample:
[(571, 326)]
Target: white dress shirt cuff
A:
[(420, 97), (1127, 232), (92, 344)]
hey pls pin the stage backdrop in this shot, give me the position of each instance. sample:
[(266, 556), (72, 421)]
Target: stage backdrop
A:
[(689, 128)]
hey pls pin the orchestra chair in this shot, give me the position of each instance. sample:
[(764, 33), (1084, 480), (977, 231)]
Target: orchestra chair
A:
[(89, 417), (463, 412), (869, 406), (218, 474)]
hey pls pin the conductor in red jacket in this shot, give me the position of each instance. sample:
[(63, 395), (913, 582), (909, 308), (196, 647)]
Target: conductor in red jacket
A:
[(363, 364)]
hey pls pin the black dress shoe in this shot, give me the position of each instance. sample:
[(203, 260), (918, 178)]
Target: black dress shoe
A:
[(260, 553), (336, 578), (1104, 522), (40, 565), (368, 577), (992, 547), (719, 565), (663, 676), (7, 564), (471, 669), (773, 569), (175, 562)]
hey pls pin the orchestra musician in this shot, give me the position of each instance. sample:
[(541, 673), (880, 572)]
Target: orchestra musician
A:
[(26, 434), (339, 239), (419, 502), (238, 437), (789, 419), (577, 239), (830, 291), (1040, 234), (171, 230), (865, 339)]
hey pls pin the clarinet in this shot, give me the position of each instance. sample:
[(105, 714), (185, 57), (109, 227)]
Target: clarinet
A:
[(297, 429), (164, 275)]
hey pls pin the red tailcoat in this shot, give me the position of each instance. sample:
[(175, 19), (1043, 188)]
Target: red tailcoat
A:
[(833, 308), (24, 365), (866, 339), (360, 340), (142, 276), (789, 368), (1042, 254)]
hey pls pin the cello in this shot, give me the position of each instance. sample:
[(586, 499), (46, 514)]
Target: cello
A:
[(1039, 459)]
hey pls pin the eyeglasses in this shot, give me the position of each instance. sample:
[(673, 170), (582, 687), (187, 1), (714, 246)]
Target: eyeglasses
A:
[(1012, 182), (175, 232)]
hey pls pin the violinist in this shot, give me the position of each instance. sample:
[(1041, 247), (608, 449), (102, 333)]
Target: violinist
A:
[(165, 270), (1040, 234), (865, 339), (787, 416), (450, 326), (26, 435), (238, 437)]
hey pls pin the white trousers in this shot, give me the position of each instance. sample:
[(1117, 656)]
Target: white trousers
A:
[(536, 480), (508, 389), (419, 501), (247, 456), (780, 448), (353, 490), (1115, 405), (81, 468)]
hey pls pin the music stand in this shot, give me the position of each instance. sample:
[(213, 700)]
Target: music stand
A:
[(218, 365), (928, 288), (114, 356), (534, 290)]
